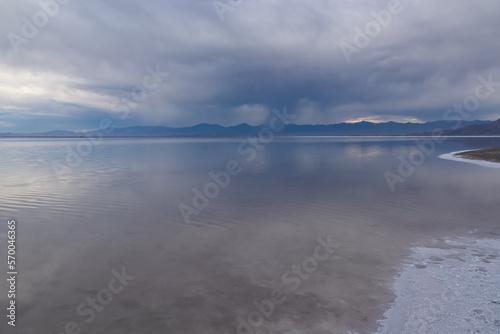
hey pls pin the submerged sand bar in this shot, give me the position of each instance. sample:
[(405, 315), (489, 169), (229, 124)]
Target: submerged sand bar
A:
[(486, 157)]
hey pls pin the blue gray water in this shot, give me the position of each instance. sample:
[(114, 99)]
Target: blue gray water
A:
[(254, 243)]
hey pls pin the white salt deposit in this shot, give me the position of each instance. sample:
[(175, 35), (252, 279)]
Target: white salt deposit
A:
[(453, 287)]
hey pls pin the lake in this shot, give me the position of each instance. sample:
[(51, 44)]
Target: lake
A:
[(298, 235)]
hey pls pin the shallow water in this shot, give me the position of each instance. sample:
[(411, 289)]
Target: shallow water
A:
[(119, 208)]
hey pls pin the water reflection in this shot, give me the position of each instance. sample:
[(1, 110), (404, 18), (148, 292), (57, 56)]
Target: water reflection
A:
[(119, 207)]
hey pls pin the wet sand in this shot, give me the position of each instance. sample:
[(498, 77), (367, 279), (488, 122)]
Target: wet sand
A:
[(492, 155)]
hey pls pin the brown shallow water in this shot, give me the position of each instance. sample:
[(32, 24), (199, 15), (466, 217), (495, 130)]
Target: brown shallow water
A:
[(119, 209)]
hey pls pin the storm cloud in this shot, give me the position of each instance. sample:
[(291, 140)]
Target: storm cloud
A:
[(230, 62)]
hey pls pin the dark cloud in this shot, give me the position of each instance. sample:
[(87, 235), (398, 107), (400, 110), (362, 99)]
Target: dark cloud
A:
[(262, 55)]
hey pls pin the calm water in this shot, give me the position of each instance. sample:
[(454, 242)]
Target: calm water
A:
[(118, 209)]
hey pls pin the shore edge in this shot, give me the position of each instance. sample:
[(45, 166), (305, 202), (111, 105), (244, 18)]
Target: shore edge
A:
[(453, 156)]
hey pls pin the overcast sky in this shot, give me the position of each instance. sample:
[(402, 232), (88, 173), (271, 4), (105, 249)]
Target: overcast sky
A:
[(264, 54)]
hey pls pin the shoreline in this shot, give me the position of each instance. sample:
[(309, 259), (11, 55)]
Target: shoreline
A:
[(483, 157)]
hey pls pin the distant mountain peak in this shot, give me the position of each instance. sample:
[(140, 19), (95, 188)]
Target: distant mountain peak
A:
[(243, 125)]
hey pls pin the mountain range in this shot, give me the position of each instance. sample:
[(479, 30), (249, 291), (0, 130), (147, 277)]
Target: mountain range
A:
[(471, 128), (488, 129)]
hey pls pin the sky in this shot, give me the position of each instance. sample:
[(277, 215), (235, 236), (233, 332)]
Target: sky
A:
[(70, 64)]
